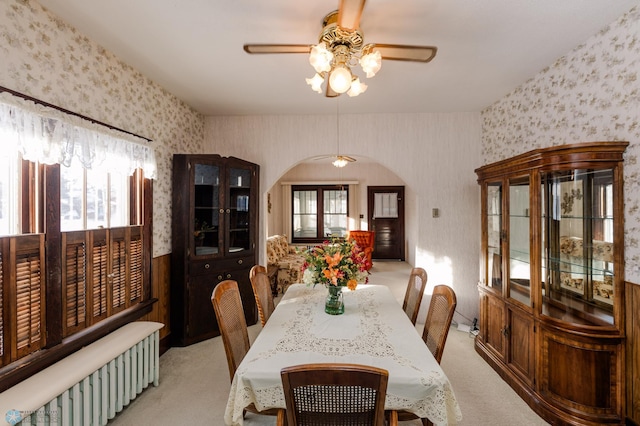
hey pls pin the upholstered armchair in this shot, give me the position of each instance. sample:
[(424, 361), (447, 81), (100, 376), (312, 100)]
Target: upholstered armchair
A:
[(365, 240), (288, 261)]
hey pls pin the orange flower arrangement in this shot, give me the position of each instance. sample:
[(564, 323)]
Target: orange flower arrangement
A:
[(335, 263)]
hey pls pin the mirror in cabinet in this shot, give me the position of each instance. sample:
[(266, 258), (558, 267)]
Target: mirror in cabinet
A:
[(494, 235), (577, 259), (519, 252), (206, 209), (239, 209)]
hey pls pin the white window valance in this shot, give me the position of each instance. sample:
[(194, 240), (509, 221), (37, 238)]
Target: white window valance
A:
[(50, 136)]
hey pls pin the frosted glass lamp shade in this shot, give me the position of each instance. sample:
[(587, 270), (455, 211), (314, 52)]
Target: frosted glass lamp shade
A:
[(320, 58), (340, 79)]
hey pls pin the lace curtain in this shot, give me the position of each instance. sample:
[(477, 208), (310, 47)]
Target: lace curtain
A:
[(50, 136)]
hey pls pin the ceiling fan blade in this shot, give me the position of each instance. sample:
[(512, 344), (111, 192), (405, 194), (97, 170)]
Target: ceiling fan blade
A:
[(403, 52), (349, 13), (344, 157), (329, 92), (277, 48)]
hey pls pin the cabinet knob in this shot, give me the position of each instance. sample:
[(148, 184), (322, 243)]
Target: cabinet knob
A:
[(228, 210), (221, 211), (239, 261), (219, 277), (228, 276), (206, 266)]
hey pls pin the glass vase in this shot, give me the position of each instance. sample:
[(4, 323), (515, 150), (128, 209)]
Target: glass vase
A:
[(334, 305)]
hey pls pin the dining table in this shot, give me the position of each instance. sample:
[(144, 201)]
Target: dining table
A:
[(373, 330)]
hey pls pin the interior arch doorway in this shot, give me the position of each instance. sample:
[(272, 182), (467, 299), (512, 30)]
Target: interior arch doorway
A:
[(357, 175)]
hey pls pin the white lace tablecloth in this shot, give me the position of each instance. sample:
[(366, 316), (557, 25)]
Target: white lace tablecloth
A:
[(374, 330)]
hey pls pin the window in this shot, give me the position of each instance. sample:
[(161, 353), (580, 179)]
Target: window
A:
[(9, 183), (102, 266), (319, 212), (93, 199), (85, 269)]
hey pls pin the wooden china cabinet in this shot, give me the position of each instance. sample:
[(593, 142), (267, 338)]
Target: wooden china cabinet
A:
[(552, 280), (214, 228)]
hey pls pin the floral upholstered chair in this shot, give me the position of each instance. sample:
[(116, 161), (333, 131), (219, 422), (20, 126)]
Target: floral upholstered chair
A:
[(288, 261), (365, 240)]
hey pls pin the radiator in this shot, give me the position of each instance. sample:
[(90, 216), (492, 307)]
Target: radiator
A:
[(103, 392)]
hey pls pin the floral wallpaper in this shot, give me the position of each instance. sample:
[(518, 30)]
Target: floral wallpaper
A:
[(591, 94), (47, 59)]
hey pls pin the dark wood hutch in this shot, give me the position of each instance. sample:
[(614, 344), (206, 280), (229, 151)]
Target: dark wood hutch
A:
[(214, 226)]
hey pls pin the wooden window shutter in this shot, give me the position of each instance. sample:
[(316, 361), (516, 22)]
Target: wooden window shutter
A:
[(118, 269), (29, 293), (98, 264), (74, 281), (3, 360), (137, 265)]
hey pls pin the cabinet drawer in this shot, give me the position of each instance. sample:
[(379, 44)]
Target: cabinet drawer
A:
[(206, 267), (202, 267), (234, 263), (240, 275)]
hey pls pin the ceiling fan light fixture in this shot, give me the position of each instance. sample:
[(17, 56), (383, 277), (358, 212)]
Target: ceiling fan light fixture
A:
[(371, 61), (340, 161), (316, 83), (357, 87), (340, 78), (341, 47), (320, 58)]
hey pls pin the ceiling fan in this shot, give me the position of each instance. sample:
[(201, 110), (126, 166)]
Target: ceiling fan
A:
[(338, 160), (340, 47)]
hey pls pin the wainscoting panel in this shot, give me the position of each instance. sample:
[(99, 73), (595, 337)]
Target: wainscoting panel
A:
[(160, 289), (632, 300)]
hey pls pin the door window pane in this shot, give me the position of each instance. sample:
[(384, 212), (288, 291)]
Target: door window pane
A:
[(385, 205)]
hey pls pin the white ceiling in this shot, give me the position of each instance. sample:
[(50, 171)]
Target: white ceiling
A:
[(193, 48)]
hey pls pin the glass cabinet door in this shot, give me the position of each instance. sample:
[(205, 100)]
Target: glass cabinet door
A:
[(494, 235), (206, 210), (239, 210), (519, 242), (577, 245)]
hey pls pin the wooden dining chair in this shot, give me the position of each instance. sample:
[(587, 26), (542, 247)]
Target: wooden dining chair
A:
[(227, 305), (334, 394), (436, 329), (415, 291), (262, 292)]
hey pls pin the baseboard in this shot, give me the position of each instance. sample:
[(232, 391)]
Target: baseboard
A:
[(165, 344)]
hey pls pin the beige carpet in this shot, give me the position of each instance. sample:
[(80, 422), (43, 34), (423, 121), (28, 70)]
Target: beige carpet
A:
[(194, 381)]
